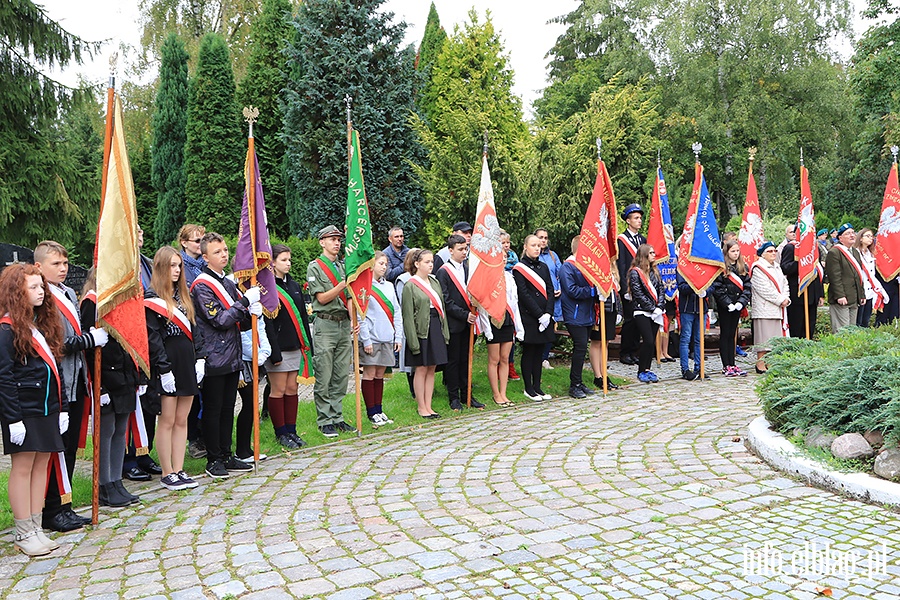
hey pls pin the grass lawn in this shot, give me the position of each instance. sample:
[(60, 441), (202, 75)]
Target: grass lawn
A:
[(398, 405)]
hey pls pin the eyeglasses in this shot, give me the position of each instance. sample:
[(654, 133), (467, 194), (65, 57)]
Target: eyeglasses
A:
[(768, 250), (197, 241)]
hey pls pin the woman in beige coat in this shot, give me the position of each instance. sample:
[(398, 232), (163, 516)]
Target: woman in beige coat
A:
[(769, 301)]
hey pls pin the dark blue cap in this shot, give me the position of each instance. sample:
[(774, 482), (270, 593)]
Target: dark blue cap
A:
[(763, 247), (632, 208)]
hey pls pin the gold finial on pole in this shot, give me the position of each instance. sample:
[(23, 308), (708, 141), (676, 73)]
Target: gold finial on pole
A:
[(752, 152), (251, 115)]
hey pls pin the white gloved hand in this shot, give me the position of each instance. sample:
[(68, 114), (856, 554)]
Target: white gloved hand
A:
[(100, 336), (701, 294), (63, 422), (738, 307), (261, 359), (200, 369), (104, 399), (543, 322), (520, 336), (142, 389), (168, 382), (17, 433), (256, 308), (619, 319), (657, 312), (731, 308), (252, 295)]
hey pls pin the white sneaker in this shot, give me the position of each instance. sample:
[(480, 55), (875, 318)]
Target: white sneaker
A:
[(385, 419), (546, 365), (376, 420), (535, 398)]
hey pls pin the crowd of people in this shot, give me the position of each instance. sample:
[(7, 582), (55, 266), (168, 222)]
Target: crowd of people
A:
[(420, 320)]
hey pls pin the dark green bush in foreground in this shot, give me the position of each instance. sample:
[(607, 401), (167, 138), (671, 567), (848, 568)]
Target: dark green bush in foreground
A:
[(849, 382)]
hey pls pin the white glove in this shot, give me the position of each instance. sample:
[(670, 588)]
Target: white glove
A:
[(543, 322), (701, 294), (63, 422), (731, 308), (168, 382), (619, 319), (252, 295), (261, 359), (100, 336), (657, 311), (104, 400), (256, 308), (17, 433), (738, 307), (520, 336), (142, 389), (200, 369)]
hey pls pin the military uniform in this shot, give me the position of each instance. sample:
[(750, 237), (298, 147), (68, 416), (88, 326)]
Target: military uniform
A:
[(331, 338)]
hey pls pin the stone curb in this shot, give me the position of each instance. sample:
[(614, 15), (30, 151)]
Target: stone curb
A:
[(773, 448)]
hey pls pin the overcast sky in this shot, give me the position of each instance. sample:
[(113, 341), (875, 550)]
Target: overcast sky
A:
[(522, 25)]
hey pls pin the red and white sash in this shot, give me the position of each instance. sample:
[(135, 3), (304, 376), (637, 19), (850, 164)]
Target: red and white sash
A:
[(159, 306), (648, 285), (785, 327), (629, 245), (57, 464), (429, 291), (533, 278), (42, 348), (217, 288), (858, 267), (66, 307), (736, 280), (460, 286), (137, 427)]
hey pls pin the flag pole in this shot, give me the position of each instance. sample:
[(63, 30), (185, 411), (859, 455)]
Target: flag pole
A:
[(697, 147), (348, 100), (251, 114), (604, 358), (95, 399)]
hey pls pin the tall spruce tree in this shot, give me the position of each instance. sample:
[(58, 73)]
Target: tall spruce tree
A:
[(471, 92), (169, 126), (215, 148), (347, 48), (266, 77), (432, 42)]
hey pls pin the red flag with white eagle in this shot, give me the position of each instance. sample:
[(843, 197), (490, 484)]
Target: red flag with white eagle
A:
[(596, 252), (805, 254), (487, 260), (887, 242), (750, 236)]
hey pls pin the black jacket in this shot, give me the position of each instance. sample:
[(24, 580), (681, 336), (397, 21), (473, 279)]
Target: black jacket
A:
[(791, 270), (280, 330), (218, 328), (27, 389), (726, 292), (119, 376), (533, 304), (157, 332), (456, 307), (640, 297)]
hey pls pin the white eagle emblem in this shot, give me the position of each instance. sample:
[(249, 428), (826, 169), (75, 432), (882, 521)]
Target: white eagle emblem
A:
[(751, 232), (486, 239), (602, 223), (805, 221), (889, 222)]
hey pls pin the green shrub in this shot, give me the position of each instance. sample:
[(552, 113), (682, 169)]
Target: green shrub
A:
[(849, 382)]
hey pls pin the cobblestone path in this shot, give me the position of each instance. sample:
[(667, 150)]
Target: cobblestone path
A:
[(649, 494)]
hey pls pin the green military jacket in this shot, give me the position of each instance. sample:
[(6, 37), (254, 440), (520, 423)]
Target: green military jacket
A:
[(323, 275)]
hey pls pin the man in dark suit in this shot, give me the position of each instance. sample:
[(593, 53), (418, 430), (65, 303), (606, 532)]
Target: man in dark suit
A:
[(628, 243), (814, 295), (453, 277)]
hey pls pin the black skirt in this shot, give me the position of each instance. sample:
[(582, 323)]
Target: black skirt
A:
[(504, 334), (41, 435), (433, 349), (180, 351)]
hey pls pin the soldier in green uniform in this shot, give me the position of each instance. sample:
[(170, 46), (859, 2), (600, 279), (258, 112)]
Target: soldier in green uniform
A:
[(331, 338)]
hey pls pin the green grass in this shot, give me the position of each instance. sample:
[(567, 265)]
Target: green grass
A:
[(824, 455), (397, 402)]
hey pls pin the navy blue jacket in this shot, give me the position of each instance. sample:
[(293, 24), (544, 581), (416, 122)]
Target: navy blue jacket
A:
[(27, 389), (577, 296), (688, 301), (218, 328)]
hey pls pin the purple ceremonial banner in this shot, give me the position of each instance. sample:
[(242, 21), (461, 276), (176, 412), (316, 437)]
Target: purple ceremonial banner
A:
[(254, 251)]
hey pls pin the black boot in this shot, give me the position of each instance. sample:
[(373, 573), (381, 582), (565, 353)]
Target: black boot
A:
[(124, 491), (110, 496)]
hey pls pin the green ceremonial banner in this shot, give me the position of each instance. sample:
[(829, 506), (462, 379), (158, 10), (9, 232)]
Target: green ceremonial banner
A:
[(360, 252)]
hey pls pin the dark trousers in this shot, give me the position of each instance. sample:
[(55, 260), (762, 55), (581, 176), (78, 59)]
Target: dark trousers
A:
[(193, 424), (244, 429), (646, 329), (219, 394), (728, 324), (456, 372), (579, 337), (629, 335), (531, 367), (797, 322), (864, 314), (53, 503)]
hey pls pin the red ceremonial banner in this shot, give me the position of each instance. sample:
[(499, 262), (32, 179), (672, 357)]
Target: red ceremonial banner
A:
[(751, 235), (657, 236), (805, 253), (597, 249), (887, 242)]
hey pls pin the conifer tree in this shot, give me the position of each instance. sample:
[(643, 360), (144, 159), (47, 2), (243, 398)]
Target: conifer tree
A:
[(347, 48), (262, 86), (169, 135), (432, 42), (215, 148)]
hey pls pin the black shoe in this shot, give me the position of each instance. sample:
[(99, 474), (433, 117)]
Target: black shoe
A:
[(287, 442), (74, 516), (598, 381), (111, 496), (149, 466), (345, 427), (587, 391), (61, 522), (137, 474), (124, 491), (328, 431), (688, 374), (628, 359), (576, 392), (455, 404), (216, 469), (297, 440), (476, 404), (235, 464), (432, 416)]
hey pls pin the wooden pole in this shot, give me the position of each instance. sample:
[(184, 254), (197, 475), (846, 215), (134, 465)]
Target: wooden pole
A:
[(254, 360), (702, 339), (806, 308), (353, 325), (603, 356), (95, 399)]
